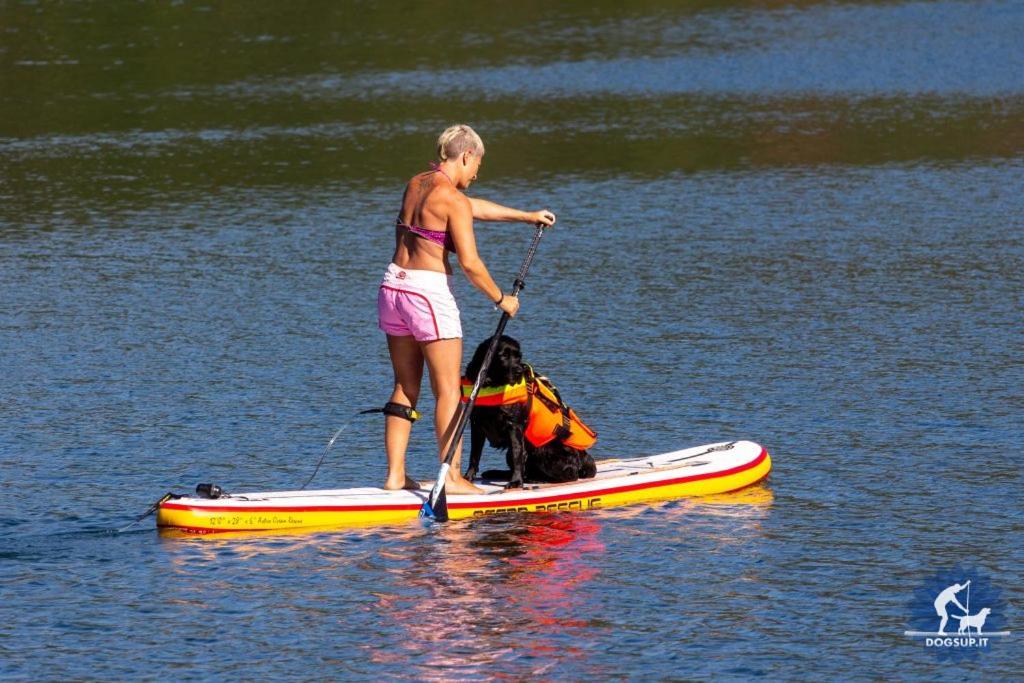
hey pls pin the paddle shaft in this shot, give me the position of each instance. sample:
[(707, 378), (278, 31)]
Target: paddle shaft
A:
[(463, 415)]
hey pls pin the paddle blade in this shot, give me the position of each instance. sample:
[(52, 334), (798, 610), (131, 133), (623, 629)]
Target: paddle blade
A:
[(436, 505), (438, 511), (441, 507)]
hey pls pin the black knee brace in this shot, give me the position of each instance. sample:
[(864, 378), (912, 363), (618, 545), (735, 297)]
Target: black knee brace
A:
[(398, 410)]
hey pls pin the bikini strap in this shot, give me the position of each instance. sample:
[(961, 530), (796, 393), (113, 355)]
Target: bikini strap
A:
[(436, 168)]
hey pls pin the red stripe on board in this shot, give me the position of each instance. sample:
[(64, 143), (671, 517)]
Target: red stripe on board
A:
[(437, 331), (205, 530), (620, 489), (290, 508), (505, 503)]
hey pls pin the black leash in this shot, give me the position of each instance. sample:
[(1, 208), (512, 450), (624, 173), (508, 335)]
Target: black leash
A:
[(343, 427), (397, 409), (152, 508), (213, 491)]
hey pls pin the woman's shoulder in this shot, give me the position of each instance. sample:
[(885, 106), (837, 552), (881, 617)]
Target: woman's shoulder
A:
[(425, 191), (426, 184), (438, 191)]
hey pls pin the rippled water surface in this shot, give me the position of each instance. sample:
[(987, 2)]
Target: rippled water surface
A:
[(798, 223)]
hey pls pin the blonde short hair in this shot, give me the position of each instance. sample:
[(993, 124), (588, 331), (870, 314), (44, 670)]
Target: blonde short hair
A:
[(458, 139)]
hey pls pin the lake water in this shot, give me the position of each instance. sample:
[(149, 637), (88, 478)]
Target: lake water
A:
[(797, 223)]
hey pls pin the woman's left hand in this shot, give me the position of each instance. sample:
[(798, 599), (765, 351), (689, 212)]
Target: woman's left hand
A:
[(509, 304), (543, 217)]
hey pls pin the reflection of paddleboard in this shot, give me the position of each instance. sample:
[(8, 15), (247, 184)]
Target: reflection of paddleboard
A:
[(703, 470)]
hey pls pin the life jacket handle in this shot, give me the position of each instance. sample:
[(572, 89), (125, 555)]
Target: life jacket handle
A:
[(563, 431)]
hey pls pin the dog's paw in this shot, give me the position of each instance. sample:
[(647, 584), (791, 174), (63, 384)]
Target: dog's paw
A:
[(514, 484), (470, 474)]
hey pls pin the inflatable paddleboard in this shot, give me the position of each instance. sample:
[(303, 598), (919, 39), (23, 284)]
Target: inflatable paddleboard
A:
[(715, 468)]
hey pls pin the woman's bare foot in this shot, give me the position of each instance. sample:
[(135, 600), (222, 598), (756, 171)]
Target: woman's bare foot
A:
[(409, 483), (458, 485)]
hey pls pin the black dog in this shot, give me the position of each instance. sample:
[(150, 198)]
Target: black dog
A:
[(503, 426)]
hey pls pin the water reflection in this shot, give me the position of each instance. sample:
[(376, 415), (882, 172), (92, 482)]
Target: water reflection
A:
[(638, 90), (488, 591), (468, 597), (520, 594)]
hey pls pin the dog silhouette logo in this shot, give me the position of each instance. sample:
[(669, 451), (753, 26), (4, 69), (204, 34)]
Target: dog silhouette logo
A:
[(969, 598), (966, 619)]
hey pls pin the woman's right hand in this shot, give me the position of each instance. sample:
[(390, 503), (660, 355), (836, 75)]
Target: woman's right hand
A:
[(510, 304), (543, 217)]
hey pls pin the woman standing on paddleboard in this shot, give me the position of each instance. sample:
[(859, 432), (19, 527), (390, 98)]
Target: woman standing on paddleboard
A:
[(415, 304)]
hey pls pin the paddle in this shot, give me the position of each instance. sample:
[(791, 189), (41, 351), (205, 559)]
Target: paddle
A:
[(436, 505)]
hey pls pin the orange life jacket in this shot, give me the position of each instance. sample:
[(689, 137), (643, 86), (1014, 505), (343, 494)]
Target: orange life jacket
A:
[(548, 417)]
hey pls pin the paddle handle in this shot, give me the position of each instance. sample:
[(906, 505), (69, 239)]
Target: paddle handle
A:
[(463, 415)]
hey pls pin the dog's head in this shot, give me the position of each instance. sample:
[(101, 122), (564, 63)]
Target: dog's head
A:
[(985, 611), (506, 364)]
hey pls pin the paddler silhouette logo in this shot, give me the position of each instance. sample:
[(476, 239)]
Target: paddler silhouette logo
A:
[(957, 613)]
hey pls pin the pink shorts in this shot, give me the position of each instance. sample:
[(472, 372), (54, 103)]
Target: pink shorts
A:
[(418, 303)]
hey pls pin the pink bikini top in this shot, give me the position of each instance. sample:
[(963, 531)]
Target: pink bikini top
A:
[(440, 237)]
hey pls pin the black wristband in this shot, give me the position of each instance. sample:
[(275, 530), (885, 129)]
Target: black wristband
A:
[(500, 298)]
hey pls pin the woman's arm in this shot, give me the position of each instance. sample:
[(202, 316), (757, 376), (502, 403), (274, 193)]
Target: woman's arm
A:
[(484, 210), (460, 225)]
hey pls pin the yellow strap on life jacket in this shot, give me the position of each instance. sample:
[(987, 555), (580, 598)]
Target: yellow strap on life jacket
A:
[(504, 395)]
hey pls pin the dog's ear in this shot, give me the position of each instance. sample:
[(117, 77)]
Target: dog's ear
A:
[(473, 367)]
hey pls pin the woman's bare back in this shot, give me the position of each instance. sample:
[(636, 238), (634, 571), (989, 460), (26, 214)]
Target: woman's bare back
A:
[(425, 205)]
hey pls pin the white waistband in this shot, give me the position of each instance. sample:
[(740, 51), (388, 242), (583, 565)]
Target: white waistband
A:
[(417, 279)]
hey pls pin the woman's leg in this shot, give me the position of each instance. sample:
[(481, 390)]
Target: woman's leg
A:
[(407, 362), (444, 360)]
